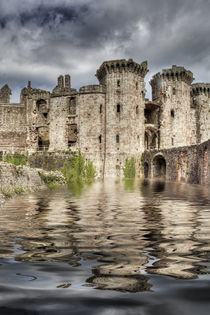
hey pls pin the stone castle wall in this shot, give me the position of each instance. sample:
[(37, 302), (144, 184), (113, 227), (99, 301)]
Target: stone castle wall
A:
[(177, 117), (188, 164), (12, 127), (124, 111), (58, 116), (112, 121), (90, 113), (200, 93)]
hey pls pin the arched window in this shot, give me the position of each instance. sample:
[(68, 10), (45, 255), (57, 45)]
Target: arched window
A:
[(118, 108), (99, 139), (172, 113), (117, 138), (118, 83)]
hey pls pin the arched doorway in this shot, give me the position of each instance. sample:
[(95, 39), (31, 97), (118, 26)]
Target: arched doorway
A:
[(159, 167)]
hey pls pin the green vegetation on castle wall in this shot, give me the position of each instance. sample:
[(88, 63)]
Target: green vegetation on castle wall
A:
[(51, 180), (130, 168), (77, 170), (16, 159)]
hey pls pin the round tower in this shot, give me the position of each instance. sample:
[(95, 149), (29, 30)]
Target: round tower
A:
[(200, 97), (177, 117), (124, 112)]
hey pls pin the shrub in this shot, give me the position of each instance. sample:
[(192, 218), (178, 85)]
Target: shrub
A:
[(77, 170), (130, 169), (51, 180), (90, 172)]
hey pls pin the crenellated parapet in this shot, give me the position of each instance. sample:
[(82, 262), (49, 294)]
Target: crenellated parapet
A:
[(120, 66), (89, 89), (176, 73), (200, 89), (29, 92)]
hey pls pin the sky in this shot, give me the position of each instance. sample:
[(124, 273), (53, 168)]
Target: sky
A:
[(41, 39)]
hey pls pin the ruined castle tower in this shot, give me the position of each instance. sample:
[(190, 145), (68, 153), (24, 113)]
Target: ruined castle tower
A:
[(177, 116), (90, 123), (124, 112), (200, 94)]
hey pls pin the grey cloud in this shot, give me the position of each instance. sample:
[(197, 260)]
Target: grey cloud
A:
[(41, 39)]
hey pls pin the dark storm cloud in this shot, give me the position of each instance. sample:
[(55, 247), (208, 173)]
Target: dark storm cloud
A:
[(43, 38)]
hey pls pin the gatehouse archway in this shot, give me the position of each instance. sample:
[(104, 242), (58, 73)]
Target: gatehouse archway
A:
[(159, 166)]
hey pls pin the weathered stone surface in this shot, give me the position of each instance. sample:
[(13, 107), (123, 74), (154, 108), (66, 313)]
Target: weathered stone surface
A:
[(111, 121), (16, 179), (188, 164)]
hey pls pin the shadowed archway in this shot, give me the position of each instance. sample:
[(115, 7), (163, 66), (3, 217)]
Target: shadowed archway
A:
[(159, 166)]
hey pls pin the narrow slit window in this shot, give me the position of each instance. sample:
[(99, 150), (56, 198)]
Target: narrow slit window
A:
[(172, 141), (118, 108), (118, 83), (100, 108), (137, 86), (117, 138), (100, 139), (172, 113), (137, 109)]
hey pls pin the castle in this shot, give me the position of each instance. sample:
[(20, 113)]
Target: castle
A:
[(111, 121)]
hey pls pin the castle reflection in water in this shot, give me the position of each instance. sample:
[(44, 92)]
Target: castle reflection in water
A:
[(124, 231)]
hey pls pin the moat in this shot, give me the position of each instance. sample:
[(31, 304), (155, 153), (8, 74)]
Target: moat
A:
[(109, 248)]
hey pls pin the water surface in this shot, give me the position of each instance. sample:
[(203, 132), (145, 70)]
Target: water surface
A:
[(111, 248)]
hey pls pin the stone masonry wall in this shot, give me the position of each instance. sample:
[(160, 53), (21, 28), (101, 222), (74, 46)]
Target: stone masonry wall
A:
[(189, 164), (124, 132), (59, 111), (177, 117), (201, 101), (91, 125), (35, 117), (128, 124), (17, 179), (12, 127), (49, 161)]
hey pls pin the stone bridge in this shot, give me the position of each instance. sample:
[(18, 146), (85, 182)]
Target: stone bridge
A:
[(188, 164)]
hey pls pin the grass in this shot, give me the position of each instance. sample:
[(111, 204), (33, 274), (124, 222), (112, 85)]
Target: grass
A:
[(16, 159)]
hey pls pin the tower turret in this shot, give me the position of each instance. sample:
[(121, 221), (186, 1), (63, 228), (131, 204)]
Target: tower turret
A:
[(124, 111), (200, 99), (177, 117)]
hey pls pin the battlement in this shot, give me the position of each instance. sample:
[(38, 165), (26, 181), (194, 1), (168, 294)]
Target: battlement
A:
[(176, 73), (200, 88), (30, 92), (92, 89), (120, 66)]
